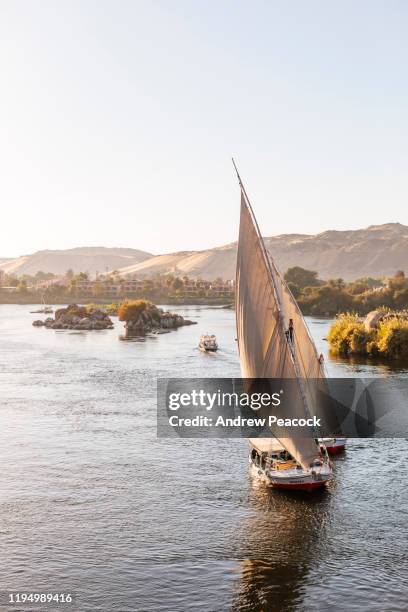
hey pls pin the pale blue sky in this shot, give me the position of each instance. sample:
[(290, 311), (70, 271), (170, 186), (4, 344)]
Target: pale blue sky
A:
[(118, 119)]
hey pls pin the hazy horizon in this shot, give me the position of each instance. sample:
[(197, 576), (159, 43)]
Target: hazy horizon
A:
[(119, 121)]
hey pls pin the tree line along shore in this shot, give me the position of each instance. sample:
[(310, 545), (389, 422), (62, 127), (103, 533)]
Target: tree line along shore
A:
[(106, 288), (315, 296)]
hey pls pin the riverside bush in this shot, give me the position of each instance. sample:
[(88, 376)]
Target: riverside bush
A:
[(130, 310), (393, 338), (348, 336)]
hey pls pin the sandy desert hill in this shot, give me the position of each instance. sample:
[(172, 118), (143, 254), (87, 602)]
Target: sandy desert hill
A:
[(374, 251), (378, 250), (82, 259)]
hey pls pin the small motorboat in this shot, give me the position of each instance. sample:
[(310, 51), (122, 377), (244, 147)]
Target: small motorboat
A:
[(334, 446), (208, 343)]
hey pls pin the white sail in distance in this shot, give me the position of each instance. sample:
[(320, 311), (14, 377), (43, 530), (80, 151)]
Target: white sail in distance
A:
[(264, 306)]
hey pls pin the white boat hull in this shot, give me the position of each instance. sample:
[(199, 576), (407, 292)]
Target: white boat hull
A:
[(294, 479)]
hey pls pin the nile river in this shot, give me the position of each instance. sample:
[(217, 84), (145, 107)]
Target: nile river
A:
[(93, 504)]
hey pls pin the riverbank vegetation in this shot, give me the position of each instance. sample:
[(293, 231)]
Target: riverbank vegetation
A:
[(351, 335), (315, 296), (328, 298), (110, 309), (159, 288)]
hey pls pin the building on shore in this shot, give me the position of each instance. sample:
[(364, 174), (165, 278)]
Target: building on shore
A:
[(115, 287), (121, 287)]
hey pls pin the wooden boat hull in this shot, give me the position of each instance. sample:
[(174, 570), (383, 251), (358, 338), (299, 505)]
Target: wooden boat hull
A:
[(335, 446), (293, 482)]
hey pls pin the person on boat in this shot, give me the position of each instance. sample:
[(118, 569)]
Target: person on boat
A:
[(289, 331), (321, 358)]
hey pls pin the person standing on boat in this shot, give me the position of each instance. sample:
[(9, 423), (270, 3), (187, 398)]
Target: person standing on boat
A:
[(289, 332)]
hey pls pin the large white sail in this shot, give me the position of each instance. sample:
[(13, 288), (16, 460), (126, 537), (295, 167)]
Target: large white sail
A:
[(264, 306)]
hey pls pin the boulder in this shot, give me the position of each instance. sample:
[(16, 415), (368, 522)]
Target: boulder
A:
[(83, 324), (38, 323), (79, 311), (71, 310), (75, 320), (99, 315), (56, 325), (373, 319), (98, 325)]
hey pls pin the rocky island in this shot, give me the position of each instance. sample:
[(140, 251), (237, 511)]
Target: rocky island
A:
[(77, 317), (142, 316)]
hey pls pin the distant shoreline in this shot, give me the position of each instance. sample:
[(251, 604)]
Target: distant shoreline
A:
[(21, 300)]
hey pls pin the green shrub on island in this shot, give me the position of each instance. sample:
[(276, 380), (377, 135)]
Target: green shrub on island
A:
[(131, 310), (349, 335), (110, 309), (393, 338)]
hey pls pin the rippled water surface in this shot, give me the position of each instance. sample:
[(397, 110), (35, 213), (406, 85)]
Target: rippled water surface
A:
[(93, 504)]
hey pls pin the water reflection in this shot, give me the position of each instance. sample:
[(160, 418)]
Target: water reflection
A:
[(133, 336), (280, 544), (354, 365), (380, 366)]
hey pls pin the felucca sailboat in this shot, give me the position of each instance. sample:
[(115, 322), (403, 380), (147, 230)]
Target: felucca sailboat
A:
[(274, 342)]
